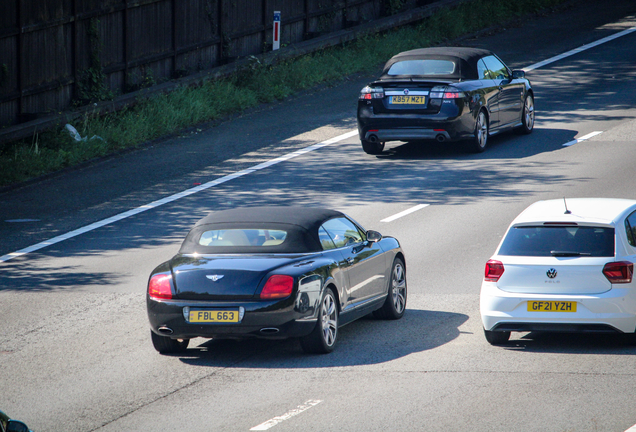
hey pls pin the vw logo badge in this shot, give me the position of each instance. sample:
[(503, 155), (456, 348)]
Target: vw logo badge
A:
[(406, 91), (214, 278), (551, 273)]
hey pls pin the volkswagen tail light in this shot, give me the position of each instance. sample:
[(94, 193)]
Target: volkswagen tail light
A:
[(619, 272), (494, 270)]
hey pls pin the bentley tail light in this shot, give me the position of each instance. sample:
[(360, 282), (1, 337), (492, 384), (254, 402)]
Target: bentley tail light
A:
[(369, 93), (619, 272), (277, 287), (494, 270), (160, 286)]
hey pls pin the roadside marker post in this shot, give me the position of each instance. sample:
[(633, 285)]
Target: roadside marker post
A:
[(276, 31)]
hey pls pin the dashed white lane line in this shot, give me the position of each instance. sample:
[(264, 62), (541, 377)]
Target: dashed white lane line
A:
[(404, 213), (580, 49), (583, 138), (289, 414), (175, 197)]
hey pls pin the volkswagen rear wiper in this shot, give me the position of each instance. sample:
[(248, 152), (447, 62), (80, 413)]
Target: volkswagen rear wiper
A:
[(568, 253)]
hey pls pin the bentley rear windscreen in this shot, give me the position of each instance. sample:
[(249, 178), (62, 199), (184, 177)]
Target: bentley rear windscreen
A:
[(242, 237)]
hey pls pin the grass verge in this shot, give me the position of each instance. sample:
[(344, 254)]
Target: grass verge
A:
[(165, 114)]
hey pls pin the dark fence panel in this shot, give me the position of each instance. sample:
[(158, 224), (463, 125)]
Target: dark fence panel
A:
[(55, 53)]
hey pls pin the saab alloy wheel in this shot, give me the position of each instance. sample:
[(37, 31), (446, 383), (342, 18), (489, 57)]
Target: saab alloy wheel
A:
[(479, 141)]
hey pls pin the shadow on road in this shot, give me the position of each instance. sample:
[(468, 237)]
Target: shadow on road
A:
[(507, 145), (25, 276), (363, 342), (573, 343), (408, 174)]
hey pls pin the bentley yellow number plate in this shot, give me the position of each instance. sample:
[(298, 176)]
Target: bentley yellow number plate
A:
[(214, 316), (551, 306)]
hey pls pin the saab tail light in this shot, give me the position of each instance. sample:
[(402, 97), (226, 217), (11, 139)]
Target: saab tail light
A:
[(443, 92), (369, 93), (452, 93), (619, 272), (494, 270), (160, 286), (277, 287)]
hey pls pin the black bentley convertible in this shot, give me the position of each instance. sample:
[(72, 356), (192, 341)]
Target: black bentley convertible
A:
[(274, 272), (444, 94)]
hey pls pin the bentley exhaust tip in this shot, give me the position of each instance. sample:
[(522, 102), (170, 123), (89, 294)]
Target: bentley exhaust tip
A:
[(269, 330), (373, 138), (440, 138), (165, 330)]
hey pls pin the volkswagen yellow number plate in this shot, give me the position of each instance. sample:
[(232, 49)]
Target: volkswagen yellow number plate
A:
[(214, 316), (410, 100), (551, 306)]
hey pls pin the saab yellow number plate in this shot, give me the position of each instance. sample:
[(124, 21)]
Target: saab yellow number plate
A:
[(410, 100)]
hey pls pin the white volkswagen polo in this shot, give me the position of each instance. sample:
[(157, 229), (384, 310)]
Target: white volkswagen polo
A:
[(563, 266)]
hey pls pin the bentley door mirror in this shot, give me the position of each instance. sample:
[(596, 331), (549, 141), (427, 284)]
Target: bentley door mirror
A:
[(373, 236)]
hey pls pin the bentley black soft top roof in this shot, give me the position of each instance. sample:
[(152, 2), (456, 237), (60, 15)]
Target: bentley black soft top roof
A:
[(300, 223), (465, 57), (305, 217)]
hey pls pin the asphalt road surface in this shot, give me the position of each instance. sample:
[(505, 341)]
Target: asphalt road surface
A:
[(75, 350)]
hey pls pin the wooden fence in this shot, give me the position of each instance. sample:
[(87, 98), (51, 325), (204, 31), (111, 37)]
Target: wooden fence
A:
[(58, 53)]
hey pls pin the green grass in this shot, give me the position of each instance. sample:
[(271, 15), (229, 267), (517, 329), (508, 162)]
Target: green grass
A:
[(165, 114)]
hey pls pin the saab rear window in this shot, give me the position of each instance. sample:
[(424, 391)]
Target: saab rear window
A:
[(559, 241), (242, 237), (422, 67)]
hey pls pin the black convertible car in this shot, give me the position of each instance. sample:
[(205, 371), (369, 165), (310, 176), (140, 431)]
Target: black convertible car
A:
[(274, 272), (444, 94)]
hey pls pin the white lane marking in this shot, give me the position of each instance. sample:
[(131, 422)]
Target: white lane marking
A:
[(289, 414), (631, 429), (404, 213), (175, 197), (261, 166), (579, 49), (583, 138)]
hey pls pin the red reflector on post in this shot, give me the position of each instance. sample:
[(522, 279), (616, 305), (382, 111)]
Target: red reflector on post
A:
[(619, 272), (493, 271), (160, 286), (277, 286)]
